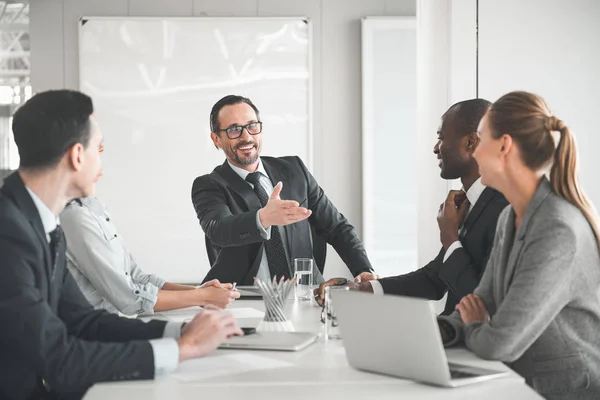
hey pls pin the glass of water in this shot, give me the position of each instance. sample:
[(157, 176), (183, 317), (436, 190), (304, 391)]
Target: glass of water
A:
[(303, 272), (331, 329)]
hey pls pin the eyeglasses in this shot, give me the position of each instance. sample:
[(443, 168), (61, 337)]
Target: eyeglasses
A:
[(234, 132)]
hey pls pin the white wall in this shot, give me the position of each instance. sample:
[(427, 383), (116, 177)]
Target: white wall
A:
[(445, 75), (337, 79), (553, 49), (390, 201)]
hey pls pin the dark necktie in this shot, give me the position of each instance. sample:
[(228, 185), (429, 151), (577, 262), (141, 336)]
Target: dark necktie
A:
[(278, 263), (56, 239)]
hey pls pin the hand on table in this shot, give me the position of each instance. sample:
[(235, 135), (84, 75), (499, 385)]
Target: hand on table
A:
[(365, 276), (217, 294), (319, 293), (205, 332)]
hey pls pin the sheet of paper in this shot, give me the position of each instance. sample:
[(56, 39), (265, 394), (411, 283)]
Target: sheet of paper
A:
[(246, 312), (202, 369), (186, 314)]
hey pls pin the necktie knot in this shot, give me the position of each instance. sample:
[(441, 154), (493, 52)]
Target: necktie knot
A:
[(56, 235), (253, 178)]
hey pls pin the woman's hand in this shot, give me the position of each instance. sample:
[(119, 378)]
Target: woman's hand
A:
[(472, 309)]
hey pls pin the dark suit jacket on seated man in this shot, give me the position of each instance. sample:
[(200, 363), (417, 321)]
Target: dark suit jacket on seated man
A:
[(467, 221), (457, 269), (252, 231), (53, 344)]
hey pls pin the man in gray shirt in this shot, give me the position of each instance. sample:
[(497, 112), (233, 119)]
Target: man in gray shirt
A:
[(108, 275)]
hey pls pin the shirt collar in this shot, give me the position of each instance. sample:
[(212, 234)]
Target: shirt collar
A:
[(243, 173), (475, 191), (95, 205), (49, 220)]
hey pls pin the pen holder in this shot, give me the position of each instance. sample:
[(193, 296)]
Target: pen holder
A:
[(275, 296)]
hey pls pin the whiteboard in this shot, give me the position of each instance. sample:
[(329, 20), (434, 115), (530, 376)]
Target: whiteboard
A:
[(390, 185), (153, 82)]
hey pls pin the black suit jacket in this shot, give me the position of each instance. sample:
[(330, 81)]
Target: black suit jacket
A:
[(49, 330), (226, 207), (461, 272)]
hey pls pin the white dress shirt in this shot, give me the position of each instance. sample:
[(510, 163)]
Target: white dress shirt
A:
[(166, 350), (473, 195), (49, 220)]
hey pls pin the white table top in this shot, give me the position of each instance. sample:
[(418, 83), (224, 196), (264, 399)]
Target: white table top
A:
[(320, 370)]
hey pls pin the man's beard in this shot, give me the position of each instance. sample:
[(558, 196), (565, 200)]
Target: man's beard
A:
[(244, 162)]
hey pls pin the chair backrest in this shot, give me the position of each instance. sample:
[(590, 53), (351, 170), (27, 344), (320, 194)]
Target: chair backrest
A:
[(210, 251), (3, 174), (319, 246)]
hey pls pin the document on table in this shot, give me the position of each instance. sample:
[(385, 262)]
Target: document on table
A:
[(246, 312), (186, 314), (217, 365)]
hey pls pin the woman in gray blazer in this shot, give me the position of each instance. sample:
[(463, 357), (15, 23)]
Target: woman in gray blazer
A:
[(537, 306)]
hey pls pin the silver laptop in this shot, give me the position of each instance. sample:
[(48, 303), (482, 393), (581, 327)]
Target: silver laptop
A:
[(399, 336), (283, 341)]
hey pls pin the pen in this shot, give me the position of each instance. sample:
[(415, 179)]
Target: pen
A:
[(233, 287)]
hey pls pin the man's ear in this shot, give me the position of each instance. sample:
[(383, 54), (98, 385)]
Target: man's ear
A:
[(75, 156), (472, 141), (216, 140)]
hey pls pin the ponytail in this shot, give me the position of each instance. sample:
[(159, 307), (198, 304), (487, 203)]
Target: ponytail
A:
[(543, 140), (563, 174)]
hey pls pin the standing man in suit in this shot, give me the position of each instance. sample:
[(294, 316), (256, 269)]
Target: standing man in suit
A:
[(251, 231), (467, 218), (53, 343)]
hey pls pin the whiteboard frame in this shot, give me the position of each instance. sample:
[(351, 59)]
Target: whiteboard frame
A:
[(310, 102), (309, 161), (368, 25)]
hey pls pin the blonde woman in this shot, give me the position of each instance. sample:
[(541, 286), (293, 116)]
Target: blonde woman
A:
[(537, 306)]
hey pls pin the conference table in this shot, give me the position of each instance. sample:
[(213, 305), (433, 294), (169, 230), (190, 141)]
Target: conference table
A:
[(321, 370)]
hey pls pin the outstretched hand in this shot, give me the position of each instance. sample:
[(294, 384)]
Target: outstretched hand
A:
[(281, 212)]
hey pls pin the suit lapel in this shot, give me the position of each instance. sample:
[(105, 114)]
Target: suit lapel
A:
[(510, 248), (277, 175), (542, 192), (240, 186), (486, 196), (15, 188)]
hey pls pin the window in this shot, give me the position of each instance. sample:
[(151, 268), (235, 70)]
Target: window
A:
[(15, 88)]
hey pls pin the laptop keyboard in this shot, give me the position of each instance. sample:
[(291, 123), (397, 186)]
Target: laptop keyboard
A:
[(457, 372), (454, 374)]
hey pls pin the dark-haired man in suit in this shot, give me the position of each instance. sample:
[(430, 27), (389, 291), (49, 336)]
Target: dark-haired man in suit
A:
[(53, 343), (467, 218), (257, 212)]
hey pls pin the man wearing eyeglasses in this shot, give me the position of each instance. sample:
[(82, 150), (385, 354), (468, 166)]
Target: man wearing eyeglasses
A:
[(257, 212)]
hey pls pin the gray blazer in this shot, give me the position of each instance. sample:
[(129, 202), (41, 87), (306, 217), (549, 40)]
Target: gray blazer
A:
[(542, 290)]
